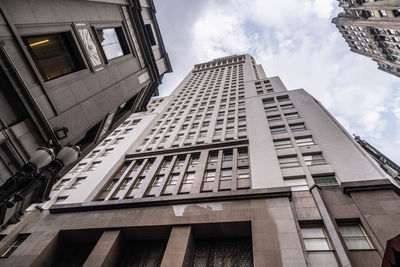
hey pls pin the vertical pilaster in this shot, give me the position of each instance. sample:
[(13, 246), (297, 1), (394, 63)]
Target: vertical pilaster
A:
[(105, 253), (179, 247)]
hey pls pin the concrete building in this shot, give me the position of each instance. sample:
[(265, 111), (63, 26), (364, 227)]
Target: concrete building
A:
[(231, 169), (372, 28), (71, 71)]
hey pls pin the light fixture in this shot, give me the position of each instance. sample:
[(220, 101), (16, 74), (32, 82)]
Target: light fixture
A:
[(68, 154), (40, 42), (42, 157)]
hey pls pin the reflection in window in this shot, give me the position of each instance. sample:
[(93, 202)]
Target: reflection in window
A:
[(315, 238), (55, 55), (113, 42)]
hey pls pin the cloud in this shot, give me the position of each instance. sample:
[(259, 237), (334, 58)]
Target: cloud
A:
[(296, 41)]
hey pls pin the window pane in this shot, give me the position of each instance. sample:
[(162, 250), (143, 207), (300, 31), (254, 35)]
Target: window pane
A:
[(357, 243), (316, 244), (112, 42), (55, 54), (350, 230), (313, 232)]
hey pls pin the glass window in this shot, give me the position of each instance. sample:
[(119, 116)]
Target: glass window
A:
[(288, 162), (112, 184), (125, 183), (209, 176), (194, 160), (189, 178), (213, 157), (354, 236), (284, 143), (138, 182), (278, 130), (292, 116), (158, 180), (243, 153), (173, 179), (314, 159), (274, 118), (61, 184), (298, 184), (283, 98), (112, 41), (315, 238), (94, 154), (227, 156), (77, 182), (243, 173), (287, 106), (268, 101), (297, 127), (55, 55), (304, 141), (107, 152), (20, 239), (271, 109), (93, 165), (180, 161), (226, 174)]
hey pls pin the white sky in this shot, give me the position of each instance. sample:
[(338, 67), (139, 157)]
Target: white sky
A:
[(296, 41)]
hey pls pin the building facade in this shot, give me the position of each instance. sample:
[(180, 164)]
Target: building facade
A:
[(231, 169), (372, 28), (72, 71)]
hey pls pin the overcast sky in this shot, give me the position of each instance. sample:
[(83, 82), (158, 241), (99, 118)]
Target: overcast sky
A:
[(296, 41)]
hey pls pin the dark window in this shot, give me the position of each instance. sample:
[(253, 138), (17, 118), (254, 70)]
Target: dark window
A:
[(20, 239), (149, 31), (113, 42), (55, 55), (143, 253), (222, 252)]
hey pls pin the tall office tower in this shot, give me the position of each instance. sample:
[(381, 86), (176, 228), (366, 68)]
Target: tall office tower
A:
[(372, 29), (231, 169), (71, 71)]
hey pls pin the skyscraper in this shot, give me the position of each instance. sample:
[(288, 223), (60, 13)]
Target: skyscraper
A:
[(231, 168), (372, 29)]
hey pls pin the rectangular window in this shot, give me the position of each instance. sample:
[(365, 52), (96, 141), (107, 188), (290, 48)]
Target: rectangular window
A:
[(180, 161), (274, 118), (61, 184), (283, 98), (292, 116), (226, 174), (107, 152), (213, 157), (243, 173), (113, 42), (77, 182), (218, 132), (283, 143), (189, 178), (268, 101), (209, 176), (191, 136), (167, 162), (227, 155), (125, 183), (288, 162), (304, 141), (298, 184), (137, 165), (229, 130), (242, 128), (243, 153), (158, 180), (203, 134), (271, 109), (93, 165), (297, 127), (220, 122), (278, 130), (354, 236), (138, 182), (55, 55), (194, 160), (20, 239), (315, 159), (287, 106), (93, 154), (173, 179), (315, 238)]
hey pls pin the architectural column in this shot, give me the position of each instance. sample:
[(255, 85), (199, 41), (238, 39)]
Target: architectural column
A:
[(179, 247), (105, 253)]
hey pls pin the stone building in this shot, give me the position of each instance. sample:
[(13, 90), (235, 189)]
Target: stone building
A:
[(372, 28), (231, 169), (71, 71)]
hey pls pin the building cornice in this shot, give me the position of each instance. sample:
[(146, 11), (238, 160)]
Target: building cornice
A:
[(361, 186)]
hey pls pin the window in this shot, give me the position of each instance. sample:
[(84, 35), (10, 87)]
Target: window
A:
[(288, 162), (20, 239), (94, 154), (107, 152), (278, 130), (184, 127), (292, 116), (220, 122), (191, 136), (180, 161), (226, 174), (297, 127), (179, 137), (242, 128), (77, 182), (209, 176), (93, 165), (112, 41), (230, 120), (328, 181), (243, 153), (383, 13), (125, 183), (304, 141), (60, 200), (158, 180), (218, 132), (227, 155), (298, 184), (139, 182), (354, 236), (203, 134), (194, 160), (206, 124), (118, 140), (314, 159), (229, 130), (268, 101), (189, 178), (283, 143), (283, 98), (61, 184), (173, 179), (315, 238), (274, 118), (149, 164), (111, 185), (55, 55), (243, 173), (271, 109), (213, 157), (166, 163), (137, 165), (287, 106)]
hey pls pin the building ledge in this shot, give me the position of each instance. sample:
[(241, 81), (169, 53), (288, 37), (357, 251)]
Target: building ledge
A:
[(379, 184), (174, 200)]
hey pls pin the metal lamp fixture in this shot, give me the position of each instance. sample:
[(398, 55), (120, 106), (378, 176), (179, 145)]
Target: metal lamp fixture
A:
[(34, 183)]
